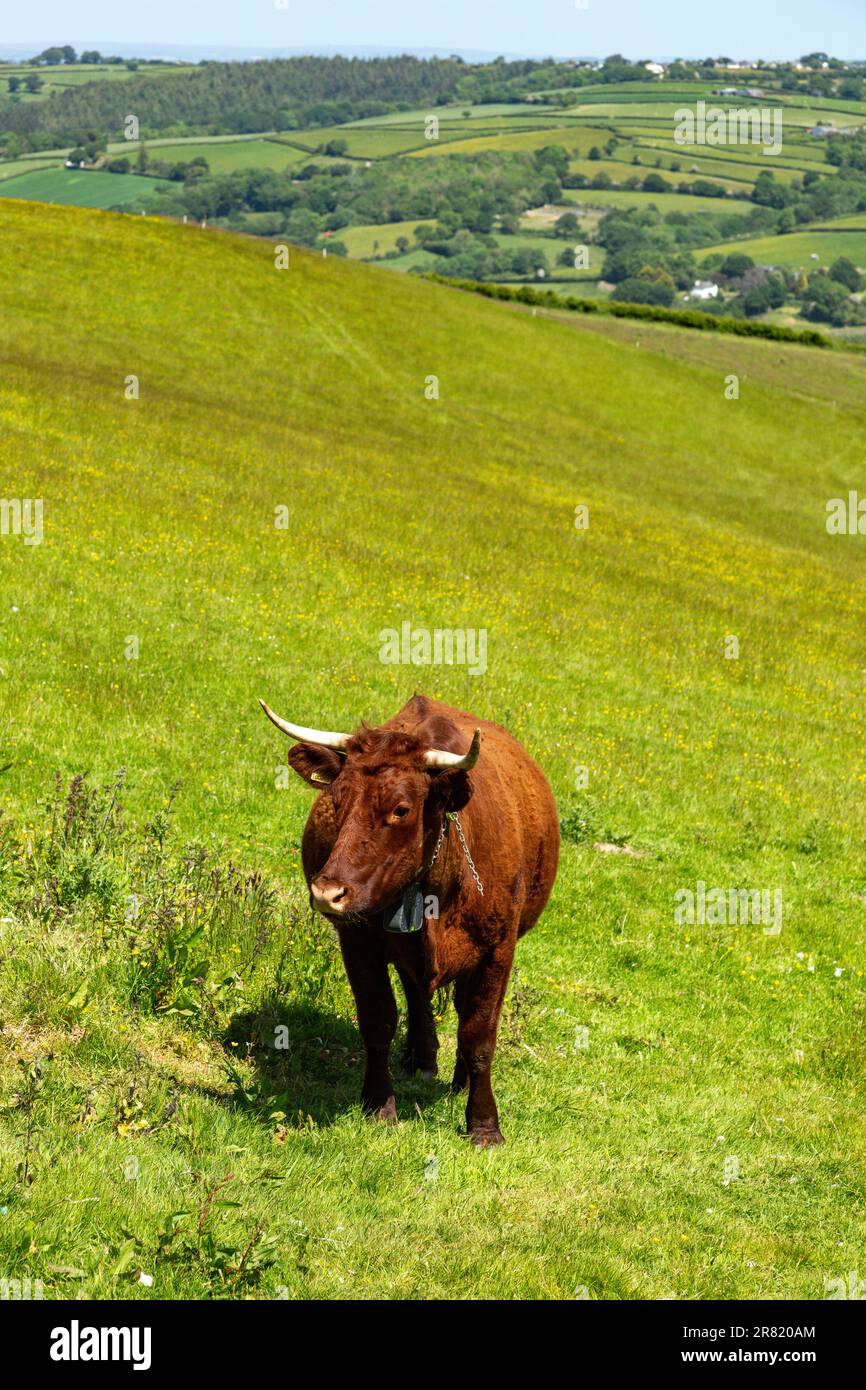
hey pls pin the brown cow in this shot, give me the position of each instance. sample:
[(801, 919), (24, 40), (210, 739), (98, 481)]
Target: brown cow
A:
[(433, 859)]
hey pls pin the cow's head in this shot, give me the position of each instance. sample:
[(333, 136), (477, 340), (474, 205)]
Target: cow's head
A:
[(390, 791)]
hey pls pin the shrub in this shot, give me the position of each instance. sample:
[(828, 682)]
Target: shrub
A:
[(844, 272), (736, 265), (641, 290)]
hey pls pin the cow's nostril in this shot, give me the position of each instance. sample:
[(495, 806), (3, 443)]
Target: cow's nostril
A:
[(327, 894)]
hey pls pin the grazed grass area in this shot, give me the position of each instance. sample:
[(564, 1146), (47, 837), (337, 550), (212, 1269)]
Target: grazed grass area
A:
[(606, 649)]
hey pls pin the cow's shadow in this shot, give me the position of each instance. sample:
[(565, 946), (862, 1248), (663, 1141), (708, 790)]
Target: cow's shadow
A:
[(308, 1064)]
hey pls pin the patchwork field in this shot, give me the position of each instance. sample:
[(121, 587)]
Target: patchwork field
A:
[(682, 1104), (630, 127)]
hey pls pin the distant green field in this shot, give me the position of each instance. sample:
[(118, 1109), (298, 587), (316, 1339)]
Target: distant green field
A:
[(366, 242), (61, 77), (856, 221), (578, 288), (366, 142), (551, 248), (455, 112), (665, 202), (630, 110), (225, 156), (736, 174), (620, 171), (10, 168), (123, 146), (638, 92), (798, 158), (574, 138), (81, 188), (376, 240), (796, 250)]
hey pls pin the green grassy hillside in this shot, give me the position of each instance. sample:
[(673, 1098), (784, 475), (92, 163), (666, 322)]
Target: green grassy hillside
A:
[(142, 979)]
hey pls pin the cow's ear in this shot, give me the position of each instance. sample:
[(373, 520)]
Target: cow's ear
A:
[(318, 766), (452, 790)]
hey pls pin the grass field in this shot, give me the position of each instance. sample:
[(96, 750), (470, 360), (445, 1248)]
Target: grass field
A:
[(840, 224), (224, 156), (683, 1105), (61, 77), (10, 168), (459, 113), (375, 240), (80, 188), (796, 249), (362, 142), (665, 202), (364, 243), (577, 139)]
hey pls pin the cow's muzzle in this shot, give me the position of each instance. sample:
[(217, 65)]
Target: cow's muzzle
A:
[(329, 896)]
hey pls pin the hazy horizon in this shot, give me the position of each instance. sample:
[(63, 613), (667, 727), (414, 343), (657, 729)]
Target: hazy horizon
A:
[(549, 28)]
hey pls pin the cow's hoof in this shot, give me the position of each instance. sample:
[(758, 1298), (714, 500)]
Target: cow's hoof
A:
[(485, 1138), (413, 1068), (383, 1114)]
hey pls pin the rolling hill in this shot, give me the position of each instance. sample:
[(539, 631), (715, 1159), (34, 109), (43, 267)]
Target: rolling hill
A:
[(638, 1055)]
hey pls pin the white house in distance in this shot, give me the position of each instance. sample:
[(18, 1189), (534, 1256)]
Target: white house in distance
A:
[(657, 69), (703, 289)]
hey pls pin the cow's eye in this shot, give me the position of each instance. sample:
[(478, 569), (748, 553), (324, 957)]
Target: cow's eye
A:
[(399, 812)]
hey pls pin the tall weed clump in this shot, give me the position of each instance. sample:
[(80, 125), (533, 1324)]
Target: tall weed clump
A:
[(98, 911)]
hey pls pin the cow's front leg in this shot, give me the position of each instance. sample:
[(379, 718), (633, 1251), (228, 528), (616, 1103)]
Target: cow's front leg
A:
[(364, 959), (479, 1001)]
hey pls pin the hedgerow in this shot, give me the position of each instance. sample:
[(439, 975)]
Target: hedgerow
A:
[(685, 318)]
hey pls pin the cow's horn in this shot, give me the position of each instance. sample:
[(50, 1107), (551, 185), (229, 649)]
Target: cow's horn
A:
[(319, 736), (437, 757)]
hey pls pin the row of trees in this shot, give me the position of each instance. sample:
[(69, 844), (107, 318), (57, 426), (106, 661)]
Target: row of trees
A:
[(31, 82), (53, 57), (64, 53)]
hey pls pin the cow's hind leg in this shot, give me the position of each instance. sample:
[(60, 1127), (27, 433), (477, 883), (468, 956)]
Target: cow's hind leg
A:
[(479, 1002), (422, 1043), (377, 1020)]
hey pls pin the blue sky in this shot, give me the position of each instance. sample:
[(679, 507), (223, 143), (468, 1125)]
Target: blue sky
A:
[(637, 28)]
